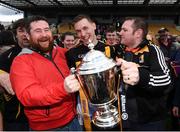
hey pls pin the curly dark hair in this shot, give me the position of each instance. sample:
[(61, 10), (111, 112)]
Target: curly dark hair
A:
[(19, 23)]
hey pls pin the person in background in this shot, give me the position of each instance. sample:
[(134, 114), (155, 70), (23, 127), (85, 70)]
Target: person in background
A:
[(14, 117), (146, 78), (177, 38), (1, 106), (99, 37), (68, 39), (42, 82), (2, 28), (176, 97), (167, 44), (6, 42), (171, 51), (57, 40), (111, 36), (151, 37)]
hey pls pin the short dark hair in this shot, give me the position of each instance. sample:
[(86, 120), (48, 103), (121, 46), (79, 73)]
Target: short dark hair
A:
[(65, 34), (33, 19), (139, 23), (163, 30), (19, 23), (80, 17), (111, 29)]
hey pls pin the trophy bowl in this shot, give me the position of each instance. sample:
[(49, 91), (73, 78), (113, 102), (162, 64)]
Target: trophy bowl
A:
[(96, 74)]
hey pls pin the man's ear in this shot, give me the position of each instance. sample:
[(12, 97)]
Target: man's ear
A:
[(27, 35), (94, 25), (139, 32)]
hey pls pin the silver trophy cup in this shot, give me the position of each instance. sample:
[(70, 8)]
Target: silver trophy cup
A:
[(97, 77)]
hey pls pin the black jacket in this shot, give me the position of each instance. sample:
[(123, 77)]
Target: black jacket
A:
[(13, 111), (145, 101), (7, 58)]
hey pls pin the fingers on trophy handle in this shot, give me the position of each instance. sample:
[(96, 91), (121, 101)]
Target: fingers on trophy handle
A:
[(73, 70)]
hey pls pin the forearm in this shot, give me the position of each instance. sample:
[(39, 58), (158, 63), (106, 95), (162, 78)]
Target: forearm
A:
[(5, 82)]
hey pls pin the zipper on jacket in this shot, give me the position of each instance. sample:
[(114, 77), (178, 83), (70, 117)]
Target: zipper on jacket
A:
[(51, 59), (47, 111)]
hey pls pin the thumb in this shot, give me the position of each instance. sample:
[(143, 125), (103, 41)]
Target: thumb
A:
[(119, 61)]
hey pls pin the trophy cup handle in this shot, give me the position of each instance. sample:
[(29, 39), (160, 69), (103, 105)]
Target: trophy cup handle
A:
[(117, 69), (73, 70), (84, 109)]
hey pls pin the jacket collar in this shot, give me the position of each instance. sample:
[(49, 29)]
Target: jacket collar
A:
[(140, 46)]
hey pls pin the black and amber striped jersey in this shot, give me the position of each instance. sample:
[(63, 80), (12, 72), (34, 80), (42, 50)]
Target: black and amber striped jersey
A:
[(75, 55)]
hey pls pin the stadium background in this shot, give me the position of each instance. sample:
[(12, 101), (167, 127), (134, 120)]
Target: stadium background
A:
[(158, 13)]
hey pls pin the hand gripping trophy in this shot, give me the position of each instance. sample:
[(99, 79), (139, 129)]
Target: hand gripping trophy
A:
[(96, 75)]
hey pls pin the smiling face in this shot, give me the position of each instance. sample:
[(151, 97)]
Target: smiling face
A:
[(85, 30), (111, 38), (40, 36), (68, 41)]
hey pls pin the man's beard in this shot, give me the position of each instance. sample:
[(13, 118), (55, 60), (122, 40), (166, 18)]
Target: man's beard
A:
[(38, 47)]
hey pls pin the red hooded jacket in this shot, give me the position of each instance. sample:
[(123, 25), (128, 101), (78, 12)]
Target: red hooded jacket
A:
[(39, 85)]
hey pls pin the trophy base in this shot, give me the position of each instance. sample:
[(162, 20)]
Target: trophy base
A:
[(106, 117)]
